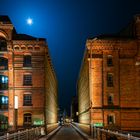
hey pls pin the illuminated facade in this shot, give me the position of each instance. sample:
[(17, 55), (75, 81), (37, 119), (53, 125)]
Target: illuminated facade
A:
[(109, 80), (24, 66)]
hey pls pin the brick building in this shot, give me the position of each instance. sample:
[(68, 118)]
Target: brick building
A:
[(28, 85), (109, 80)]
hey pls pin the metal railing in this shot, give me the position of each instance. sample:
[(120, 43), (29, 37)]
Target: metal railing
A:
[(28, 134), (100, 134)]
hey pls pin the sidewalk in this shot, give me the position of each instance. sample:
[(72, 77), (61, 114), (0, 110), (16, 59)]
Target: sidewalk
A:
[(84, 135), (50, 134)]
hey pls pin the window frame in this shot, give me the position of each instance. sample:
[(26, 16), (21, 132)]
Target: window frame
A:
[(27, 101), (110, 119), (109, 60), (27, 81), (27, 61), (27, 116), (110, 82), (110, 102)]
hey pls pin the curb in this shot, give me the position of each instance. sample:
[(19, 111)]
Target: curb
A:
[(85, 136), (50, 135)]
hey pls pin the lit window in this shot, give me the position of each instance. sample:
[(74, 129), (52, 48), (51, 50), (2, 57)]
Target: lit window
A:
[(109, 61), (3, 102), (27, 61), (3, 82), (27, 99), (27, 80), (109, 79)]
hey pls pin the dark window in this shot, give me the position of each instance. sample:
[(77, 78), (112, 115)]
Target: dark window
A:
[(110, 119), (27, 100), (3, 122), (27, 62), (3, 102), (3, 63), (109, 80), (109, 61), (3, 44), (27, 80), (27, 119), (3, 82), (110, 100)]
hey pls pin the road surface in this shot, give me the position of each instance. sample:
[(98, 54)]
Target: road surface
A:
[(67, 132)]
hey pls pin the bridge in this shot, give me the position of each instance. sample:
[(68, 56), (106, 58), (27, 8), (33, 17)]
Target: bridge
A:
[(69, 131)]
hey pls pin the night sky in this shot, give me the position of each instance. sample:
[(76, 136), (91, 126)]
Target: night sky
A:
[(66, 24)]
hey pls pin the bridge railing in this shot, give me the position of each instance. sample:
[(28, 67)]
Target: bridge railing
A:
[(105, 134), (28, 134)]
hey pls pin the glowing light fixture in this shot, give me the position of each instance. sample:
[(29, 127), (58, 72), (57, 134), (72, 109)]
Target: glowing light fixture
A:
[(29, 21), (16, 102)]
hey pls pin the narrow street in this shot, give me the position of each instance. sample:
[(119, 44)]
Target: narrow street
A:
[(67, 132)]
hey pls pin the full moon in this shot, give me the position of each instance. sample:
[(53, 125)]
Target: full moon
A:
[(29, 21)]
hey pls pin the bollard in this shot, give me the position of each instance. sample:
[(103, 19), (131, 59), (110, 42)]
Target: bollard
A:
[(92, 131), (129, 136), (7, 136), (27, 134), (98, 133), (18, 135), (42, 131), (95, 132)]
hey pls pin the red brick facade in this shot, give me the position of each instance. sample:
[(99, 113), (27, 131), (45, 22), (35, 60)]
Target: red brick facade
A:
[(26, 80), (109, 80)]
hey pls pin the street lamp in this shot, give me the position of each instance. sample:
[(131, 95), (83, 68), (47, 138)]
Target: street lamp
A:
[(16, 111)]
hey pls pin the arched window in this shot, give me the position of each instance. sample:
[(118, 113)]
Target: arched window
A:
[(27, 119), (3, 63), (3, 82), (3, 44)]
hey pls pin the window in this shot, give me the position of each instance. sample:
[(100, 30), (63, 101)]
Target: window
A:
[(27, 80), (27, 99), (3, 102), (3, 63), (111, 119), (3, 82), (110, 80), (109, 61), (27, 61), (110, 100), (3, 44), (3, 122), (27, 119)]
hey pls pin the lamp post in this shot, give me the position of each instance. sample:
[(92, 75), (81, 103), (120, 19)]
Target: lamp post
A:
[(16, 111)]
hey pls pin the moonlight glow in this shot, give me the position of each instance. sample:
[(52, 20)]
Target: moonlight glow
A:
[(29, 21)]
